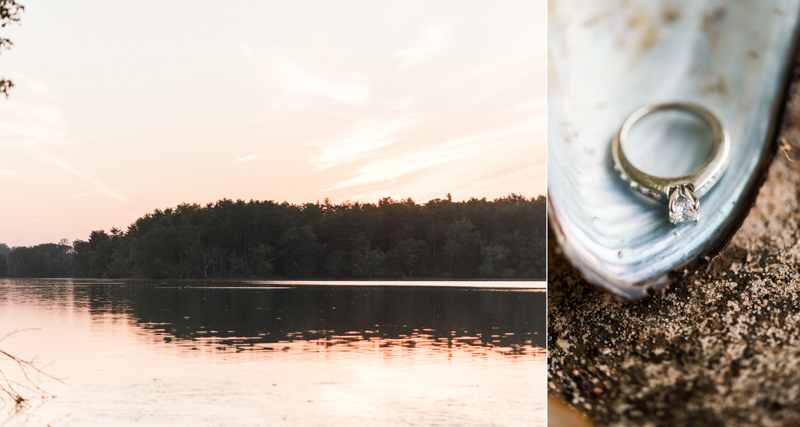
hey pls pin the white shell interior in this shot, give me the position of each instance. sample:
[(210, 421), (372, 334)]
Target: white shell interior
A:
[(607, 58)]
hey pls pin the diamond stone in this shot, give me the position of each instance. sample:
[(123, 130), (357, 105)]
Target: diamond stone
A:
[(683, 205)]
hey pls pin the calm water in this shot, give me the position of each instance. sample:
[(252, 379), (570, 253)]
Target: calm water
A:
[(272, 353)]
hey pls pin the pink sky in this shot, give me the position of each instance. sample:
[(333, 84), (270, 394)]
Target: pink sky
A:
[(120, 108)]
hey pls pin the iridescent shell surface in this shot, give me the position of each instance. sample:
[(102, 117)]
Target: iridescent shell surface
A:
[(606, 59)]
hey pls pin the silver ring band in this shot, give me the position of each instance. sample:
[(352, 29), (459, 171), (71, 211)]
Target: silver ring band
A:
[(681, 192)]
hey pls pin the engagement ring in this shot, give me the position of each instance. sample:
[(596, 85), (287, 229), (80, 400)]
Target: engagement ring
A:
[(681, 192)]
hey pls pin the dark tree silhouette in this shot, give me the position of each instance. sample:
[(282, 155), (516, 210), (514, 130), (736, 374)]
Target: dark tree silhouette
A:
[(477, 238), (9, 12)]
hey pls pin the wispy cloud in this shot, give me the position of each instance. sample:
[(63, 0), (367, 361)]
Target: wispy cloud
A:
[(7, 172), (36, 127), (248, 158), (434, 39), (364, 137), (538, 104), (42, 154), (504, 72), (389, 169), (296, 79), (521, 176)]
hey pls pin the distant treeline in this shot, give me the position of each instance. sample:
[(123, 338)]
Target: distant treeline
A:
[(46, 260), (478, 238)]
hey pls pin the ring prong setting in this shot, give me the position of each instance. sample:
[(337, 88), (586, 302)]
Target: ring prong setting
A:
[(684, 206)]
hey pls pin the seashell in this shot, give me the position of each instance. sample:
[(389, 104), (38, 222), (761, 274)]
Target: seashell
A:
[(606, 59)]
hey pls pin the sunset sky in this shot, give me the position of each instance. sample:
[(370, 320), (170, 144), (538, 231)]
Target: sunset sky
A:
[(121, 108)]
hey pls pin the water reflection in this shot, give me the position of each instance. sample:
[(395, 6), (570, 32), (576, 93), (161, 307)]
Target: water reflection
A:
[(235, 318), (420, 354)]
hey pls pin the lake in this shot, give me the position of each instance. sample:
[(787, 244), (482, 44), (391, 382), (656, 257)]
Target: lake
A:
[(255, 353)]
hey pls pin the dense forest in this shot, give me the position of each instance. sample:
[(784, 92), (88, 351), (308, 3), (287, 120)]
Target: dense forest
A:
[(478, 238), (46, 260)]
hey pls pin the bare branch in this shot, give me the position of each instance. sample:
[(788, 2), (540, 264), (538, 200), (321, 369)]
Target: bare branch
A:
[(9, 12), (31, 372)]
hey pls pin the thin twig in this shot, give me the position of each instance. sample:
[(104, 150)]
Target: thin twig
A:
[(12, 389), (18, 330)]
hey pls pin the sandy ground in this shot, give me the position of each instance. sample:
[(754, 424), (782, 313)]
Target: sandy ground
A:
[(719, 348)]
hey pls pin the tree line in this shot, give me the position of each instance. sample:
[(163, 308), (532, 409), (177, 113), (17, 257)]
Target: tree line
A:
[(477, 238), (45, 260)]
